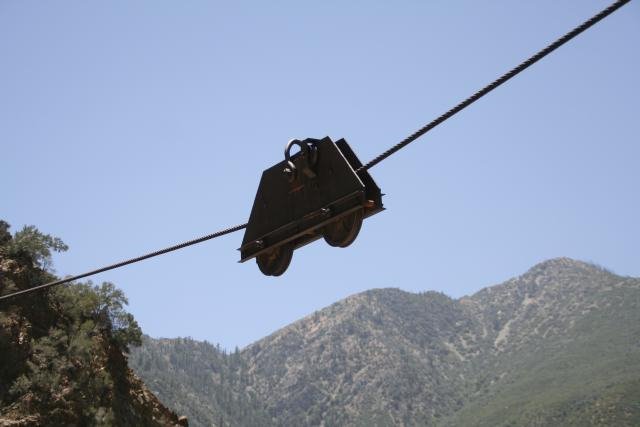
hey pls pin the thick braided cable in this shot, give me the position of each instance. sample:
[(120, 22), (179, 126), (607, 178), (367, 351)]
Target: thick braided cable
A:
[(482, 92), (126, 262), (535, 58)]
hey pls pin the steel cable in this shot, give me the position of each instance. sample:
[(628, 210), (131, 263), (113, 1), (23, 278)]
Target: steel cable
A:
[(127, 262), (500, 80), (470, 100)]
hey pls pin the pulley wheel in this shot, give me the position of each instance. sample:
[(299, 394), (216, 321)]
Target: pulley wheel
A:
[(274, 262), (343, 231)]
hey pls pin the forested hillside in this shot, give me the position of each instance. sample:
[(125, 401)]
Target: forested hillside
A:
[(63, 351), (558, 345), (201, 380)]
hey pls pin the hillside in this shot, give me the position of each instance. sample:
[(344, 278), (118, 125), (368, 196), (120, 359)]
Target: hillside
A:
[(557, 345), (564, 348), (63, 351), (199, 379)]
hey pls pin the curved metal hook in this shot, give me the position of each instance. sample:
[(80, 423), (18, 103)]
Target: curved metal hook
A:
[(304, 148), (290, 170)]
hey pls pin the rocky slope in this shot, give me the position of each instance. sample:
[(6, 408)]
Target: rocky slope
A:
[(558, 345), (381, 357), (63, 352), (562, 347)]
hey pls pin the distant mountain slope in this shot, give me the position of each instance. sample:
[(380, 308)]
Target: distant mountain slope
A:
[(564, 348), (381, 357), (559, 345), (198, 379)]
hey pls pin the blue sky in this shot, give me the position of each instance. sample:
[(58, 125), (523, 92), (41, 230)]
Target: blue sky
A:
[(129, 126)]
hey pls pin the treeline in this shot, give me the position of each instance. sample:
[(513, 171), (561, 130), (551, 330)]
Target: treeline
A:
[(216, 382)]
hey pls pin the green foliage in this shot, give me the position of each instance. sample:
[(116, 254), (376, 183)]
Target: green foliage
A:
[(31, 243), (124, 327), (201, 380), (103, 305), (5, 235), (62, 350)]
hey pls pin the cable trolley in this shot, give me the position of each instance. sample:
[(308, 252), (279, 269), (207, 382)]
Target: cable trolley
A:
[(313, 193)]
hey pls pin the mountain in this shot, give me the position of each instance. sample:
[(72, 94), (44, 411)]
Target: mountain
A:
[(562, 347), (201, 380), (63, 351), (558, 345)]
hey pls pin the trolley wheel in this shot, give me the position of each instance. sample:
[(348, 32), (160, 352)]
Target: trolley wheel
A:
[(274, 262), (342, 232)]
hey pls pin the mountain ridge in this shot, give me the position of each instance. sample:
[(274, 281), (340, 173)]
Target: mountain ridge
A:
[(391, 357)]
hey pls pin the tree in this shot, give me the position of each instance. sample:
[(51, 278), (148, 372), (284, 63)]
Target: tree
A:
[(104, 305), (29, 244), (61, 349)]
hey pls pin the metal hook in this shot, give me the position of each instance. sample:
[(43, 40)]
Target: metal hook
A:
[(291, 170), (304, 148)]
